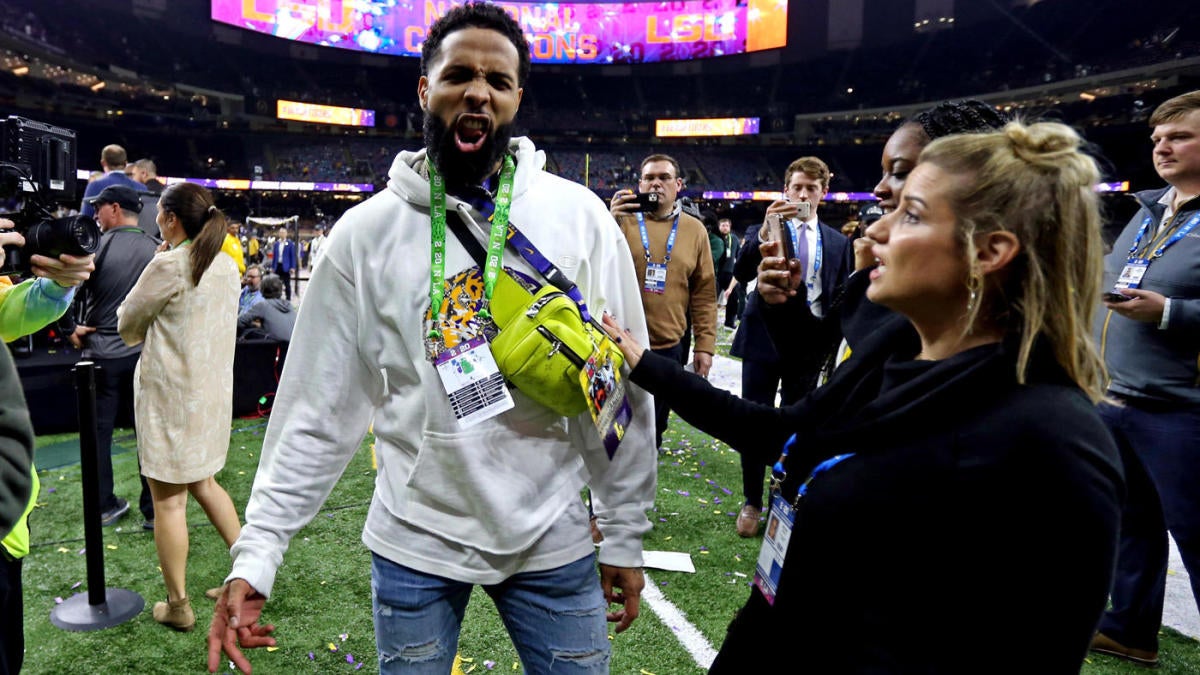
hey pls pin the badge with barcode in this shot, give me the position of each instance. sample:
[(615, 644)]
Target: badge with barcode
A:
[(473, 382), (656, 278)]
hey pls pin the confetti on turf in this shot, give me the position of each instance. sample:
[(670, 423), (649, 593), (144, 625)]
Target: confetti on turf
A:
[(332, 647), (739, 574), (358, 665), (349, 658), (683, 493), (63, 549), (343, 637), (58, 600), (111, 547), (727, 491), (51, 490), (82, 551), (643, 671), (702, 501), (75, 585), (312, 657), (489, 664), (272, 649)]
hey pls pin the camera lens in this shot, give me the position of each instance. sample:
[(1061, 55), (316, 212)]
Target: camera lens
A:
[(73, 235)]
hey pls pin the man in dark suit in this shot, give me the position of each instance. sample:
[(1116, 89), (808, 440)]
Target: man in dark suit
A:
[(112, 160), (284, 260), (822, 252)]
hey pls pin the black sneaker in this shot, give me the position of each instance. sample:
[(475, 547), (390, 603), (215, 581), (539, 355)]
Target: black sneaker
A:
[(111, 516), (148, 524)]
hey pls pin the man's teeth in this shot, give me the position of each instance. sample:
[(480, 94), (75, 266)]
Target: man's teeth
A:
[(475, 124)]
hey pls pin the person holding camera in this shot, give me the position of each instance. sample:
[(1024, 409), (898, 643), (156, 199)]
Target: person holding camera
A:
[(673, 259), (24, 308), (124, 252), (822, 252)]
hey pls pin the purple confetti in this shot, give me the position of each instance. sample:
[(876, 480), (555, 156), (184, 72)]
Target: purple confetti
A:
[(489, 664), (75, 585), (51, 490), (703, 548), (716, 500), (695, 475), (82, 551), (349, 658), (358, 665), (727, 491), (58, 600), (311, 657), (702, 463), (662, 583), (684, 493), (662, 520), (674, 463)]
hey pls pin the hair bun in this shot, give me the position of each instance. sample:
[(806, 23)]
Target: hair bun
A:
[(1043, 143)]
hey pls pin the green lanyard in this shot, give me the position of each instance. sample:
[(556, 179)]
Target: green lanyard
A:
[(496, 239)]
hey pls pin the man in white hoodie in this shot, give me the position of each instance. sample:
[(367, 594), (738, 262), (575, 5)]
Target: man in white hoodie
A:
[(493, 504)]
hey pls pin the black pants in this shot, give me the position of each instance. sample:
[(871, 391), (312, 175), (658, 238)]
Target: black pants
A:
[(286, 276), (760, 380), (662, 412), (12, 608), (735, 304), (114, 398)]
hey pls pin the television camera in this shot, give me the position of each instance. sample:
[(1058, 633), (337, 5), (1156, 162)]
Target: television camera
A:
[(37, 169)]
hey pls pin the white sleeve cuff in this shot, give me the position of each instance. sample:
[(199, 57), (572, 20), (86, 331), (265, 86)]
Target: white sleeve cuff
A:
[(1162, 325)]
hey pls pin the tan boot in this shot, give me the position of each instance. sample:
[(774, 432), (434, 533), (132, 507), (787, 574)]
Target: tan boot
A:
[(747, 521), (1103, 644), (175, 614)]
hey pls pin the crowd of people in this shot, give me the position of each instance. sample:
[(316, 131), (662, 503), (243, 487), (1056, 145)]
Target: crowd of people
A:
[(896, 383)]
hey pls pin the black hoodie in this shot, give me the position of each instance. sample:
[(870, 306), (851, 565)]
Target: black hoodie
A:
[(974, 511)]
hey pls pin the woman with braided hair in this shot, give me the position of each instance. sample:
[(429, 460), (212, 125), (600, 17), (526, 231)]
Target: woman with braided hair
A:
[(184, 307), (930, 504)]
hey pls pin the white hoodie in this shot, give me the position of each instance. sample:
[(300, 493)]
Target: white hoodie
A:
[(475, 505)]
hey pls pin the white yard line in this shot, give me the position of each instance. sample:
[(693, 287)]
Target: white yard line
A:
[(698, 646)]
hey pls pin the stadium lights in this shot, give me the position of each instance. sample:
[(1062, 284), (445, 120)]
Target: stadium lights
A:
[(20, 71), (98, 86)]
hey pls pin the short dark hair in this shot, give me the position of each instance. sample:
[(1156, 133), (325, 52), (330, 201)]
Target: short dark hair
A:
[(476, 15), (659, 157), (272, 286)]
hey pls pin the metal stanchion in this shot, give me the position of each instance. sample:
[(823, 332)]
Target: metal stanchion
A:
[(100, 607)]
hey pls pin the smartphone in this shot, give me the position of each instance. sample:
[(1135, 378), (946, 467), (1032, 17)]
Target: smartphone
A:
[(1113, 296), (647, 201), (803, 209), (778, 230)]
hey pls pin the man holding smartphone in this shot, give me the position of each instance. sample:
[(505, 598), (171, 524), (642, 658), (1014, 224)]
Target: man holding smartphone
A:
[(1148, 339), (674, 265), (821, 255)]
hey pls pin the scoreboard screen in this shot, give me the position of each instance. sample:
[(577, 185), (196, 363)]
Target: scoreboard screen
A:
[(324, 114), (585, 33), (715, 126)]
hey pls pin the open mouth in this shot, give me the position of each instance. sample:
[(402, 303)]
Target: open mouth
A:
[(471, 131)]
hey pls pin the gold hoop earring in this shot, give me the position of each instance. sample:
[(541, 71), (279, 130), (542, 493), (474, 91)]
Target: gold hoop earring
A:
[(974, 288)]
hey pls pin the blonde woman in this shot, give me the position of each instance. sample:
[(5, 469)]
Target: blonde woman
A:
[(951, 495), (184, 307)]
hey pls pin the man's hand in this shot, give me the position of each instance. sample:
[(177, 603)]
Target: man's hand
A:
[(624, 203), (67, 270), (702, 363), (630, 580), (78, 337), (1146, 306), (863, 258), (235, 626), (777, 278), (8, 238)]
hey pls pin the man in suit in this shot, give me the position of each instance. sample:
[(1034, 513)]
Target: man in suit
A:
[(822, 252), (284, 260), (113, 160)]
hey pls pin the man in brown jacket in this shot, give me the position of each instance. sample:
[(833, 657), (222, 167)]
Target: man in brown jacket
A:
[(674, 264)]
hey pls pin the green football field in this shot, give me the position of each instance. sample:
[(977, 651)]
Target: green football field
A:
[(321, 603)]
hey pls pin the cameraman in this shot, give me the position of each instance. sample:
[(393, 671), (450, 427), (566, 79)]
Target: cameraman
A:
[(124, 252), (24, 308)]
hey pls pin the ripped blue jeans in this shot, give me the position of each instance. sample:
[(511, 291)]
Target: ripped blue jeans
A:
[(554, 617)]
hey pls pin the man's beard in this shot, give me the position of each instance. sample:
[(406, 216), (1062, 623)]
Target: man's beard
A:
[(461, 169)]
